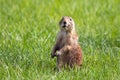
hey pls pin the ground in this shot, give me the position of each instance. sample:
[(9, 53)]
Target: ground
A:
[(27, 34)]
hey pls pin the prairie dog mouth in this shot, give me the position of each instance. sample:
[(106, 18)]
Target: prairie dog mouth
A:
[(64, 24)]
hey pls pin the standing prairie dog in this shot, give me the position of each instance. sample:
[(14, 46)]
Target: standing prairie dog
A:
[(66, 48)]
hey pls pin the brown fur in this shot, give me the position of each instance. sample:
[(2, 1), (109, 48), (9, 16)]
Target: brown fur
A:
[(67, 49)]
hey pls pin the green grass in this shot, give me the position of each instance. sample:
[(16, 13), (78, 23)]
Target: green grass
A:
[(28, 29)]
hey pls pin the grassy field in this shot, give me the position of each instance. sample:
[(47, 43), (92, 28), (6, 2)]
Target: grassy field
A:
[(28, 29)]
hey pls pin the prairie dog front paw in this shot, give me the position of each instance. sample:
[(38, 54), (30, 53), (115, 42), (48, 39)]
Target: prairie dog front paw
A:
[(58, 53)]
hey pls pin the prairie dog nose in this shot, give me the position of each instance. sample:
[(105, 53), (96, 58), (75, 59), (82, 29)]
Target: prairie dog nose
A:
[(64, 22)]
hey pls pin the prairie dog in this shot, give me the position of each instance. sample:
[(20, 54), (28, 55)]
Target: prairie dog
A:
[(66, 48)]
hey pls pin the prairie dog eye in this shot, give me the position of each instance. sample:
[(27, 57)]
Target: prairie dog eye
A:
[(70, 19)]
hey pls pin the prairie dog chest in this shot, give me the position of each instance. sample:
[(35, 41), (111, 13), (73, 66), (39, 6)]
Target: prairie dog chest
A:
[(65, 39)]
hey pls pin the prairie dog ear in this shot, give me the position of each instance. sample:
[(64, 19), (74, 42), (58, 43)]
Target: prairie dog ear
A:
[(69, 17)]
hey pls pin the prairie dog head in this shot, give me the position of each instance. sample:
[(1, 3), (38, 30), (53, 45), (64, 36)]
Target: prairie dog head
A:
[(67, 24)]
